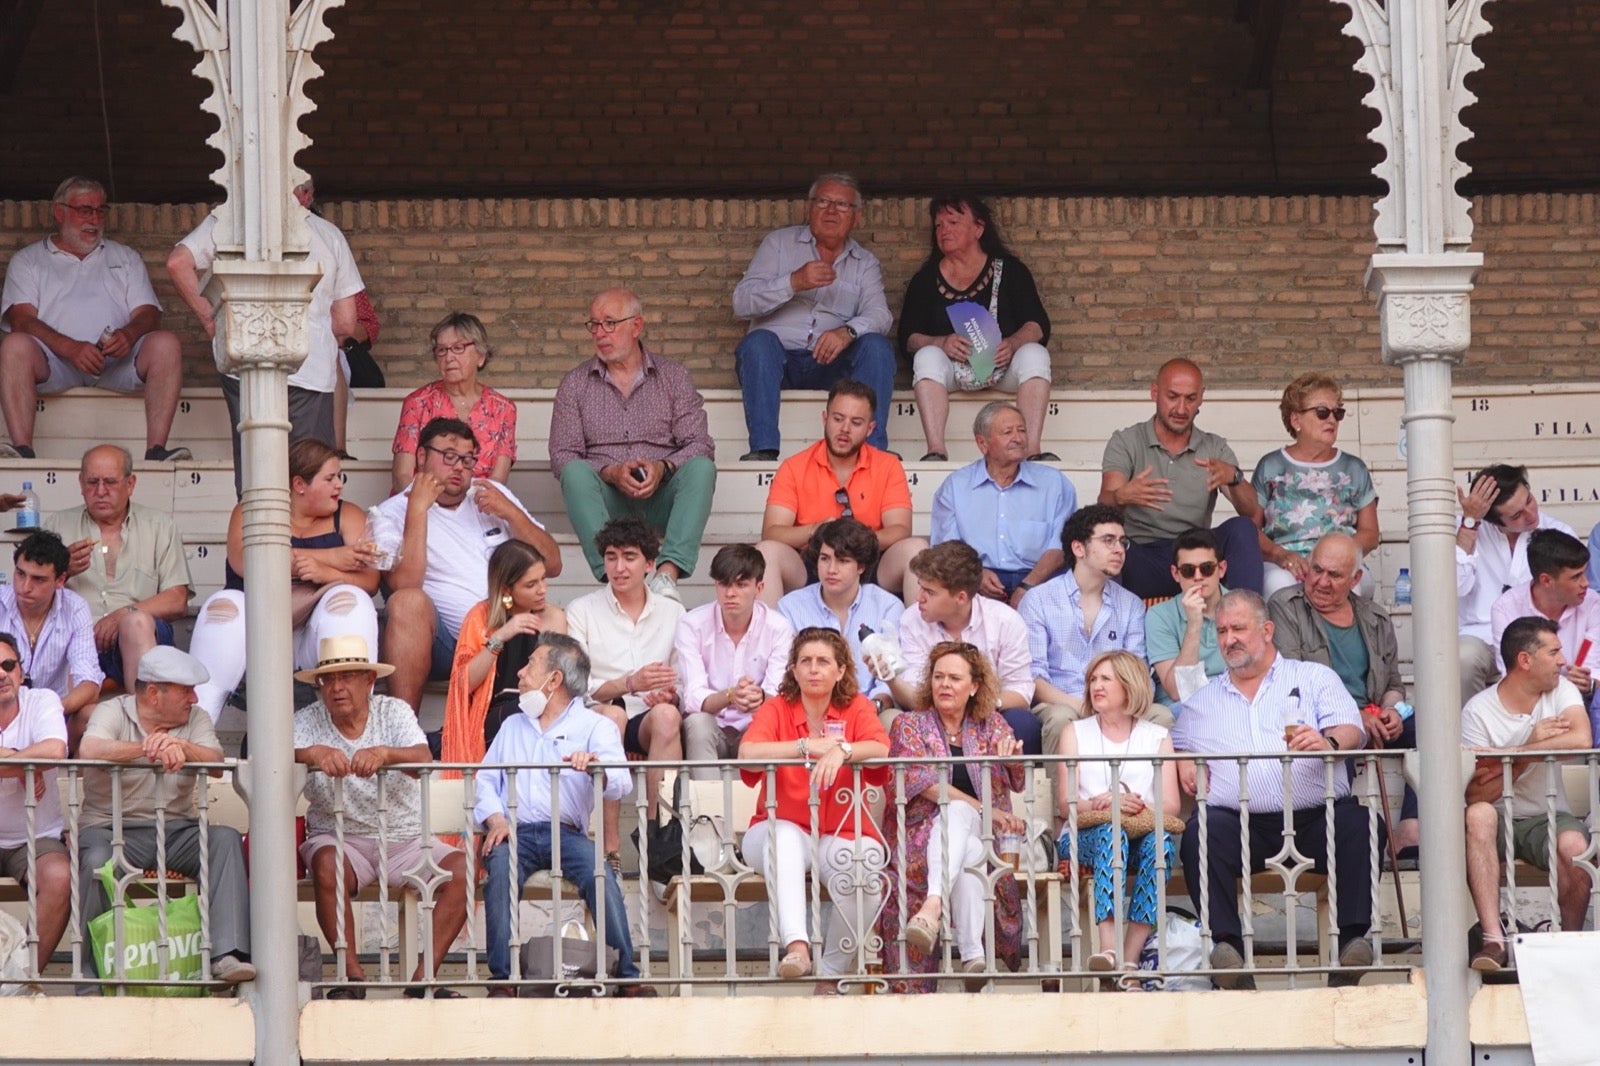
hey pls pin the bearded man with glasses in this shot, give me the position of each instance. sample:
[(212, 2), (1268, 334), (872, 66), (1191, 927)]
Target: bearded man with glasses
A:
[(78, 309), (629, 437), (814, 299)]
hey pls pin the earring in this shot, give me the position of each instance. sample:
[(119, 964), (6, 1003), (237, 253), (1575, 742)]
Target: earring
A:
[(506, 601)]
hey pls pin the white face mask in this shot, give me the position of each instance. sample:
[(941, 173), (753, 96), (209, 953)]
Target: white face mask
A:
[(533, 702)]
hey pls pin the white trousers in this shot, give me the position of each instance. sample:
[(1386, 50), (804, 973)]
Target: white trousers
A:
[(219, 637), (1029, 361), (963, 901), (857, 893)]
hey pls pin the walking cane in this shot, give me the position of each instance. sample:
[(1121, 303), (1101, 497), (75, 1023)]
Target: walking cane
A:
[(1394, 853)]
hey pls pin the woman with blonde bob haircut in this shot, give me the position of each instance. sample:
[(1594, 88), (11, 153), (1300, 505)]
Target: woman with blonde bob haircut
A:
[(1115, 740), (819, 716), (944, 842)]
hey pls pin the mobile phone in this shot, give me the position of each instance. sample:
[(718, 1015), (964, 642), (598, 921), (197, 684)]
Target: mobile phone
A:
[(638, 474)]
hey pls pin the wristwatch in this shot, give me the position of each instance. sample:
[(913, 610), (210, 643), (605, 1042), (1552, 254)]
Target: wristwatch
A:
[(1332, 741), (493, 645), (1469, 523), (1238, 476), (848, 328), (844, 746)]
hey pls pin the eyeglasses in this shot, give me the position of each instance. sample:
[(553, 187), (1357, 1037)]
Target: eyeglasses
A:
[(453, 458), (1188, 570), (1111, 540), (827, 203), (8, 665), (842, 498), (88, 211), (608, 325), (1324, 413), (102, 482), (441, 350)]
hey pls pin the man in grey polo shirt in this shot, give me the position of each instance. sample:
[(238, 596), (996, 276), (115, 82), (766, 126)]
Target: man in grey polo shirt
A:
[(1165, 475)]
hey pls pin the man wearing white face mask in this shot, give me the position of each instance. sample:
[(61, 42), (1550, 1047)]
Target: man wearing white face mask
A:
[(555, 727)]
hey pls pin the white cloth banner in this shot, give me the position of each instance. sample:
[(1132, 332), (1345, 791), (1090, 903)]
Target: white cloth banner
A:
[(1556, 972)]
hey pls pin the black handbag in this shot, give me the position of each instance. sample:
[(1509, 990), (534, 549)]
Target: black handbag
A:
[(666, 839)]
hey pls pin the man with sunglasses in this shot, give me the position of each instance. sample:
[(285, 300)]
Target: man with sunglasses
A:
[(1181, 632), (1165, 473), (330, 322), (33, 727), (814, 300), (840, 476), (78, 309), (1077, 615), (629, 437), (447, 525)]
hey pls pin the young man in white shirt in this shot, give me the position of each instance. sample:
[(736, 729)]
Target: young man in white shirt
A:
[(627, 630), (447, 525), (1534, 709), (731, 656)]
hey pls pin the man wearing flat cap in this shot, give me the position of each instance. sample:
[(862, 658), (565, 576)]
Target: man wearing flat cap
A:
[(350, 736), (160, 724)]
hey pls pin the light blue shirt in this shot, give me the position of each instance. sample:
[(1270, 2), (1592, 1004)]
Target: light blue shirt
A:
[(522, 742), (1163, 633), (1011, 527), (1221, 719), (873, 607), (1060, 648), (855, 299)]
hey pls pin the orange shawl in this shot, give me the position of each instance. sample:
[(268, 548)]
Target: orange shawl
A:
[(465, 709)]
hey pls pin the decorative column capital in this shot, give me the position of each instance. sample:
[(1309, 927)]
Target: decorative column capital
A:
[(1424, 304), (264, 310)]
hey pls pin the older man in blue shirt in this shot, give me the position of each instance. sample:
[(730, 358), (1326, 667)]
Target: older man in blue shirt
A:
[(1261, 700), (814, 298), (1010, 511), (555, 727)]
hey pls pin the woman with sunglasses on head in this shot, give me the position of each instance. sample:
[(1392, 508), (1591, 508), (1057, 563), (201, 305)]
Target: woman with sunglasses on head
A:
[(460, 345), (1311, 487)]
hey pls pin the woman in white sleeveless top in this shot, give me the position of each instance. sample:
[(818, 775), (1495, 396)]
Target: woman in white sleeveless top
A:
[(1120, 729)]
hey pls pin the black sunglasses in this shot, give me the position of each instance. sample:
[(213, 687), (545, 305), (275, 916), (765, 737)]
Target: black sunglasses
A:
[(1324, 413), (8, 665), (1188, 570), (842, 498)]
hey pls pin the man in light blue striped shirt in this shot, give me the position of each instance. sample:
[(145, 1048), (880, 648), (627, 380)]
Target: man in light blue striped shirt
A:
[(1263, 699), (1079, 614), (54, 628)]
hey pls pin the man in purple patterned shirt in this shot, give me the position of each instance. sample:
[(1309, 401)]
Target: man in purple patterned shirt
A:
[(628, 436)]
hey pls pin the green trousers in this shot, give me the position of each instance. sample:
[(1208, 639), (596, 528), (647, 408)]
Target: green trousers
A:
[(678, 510)]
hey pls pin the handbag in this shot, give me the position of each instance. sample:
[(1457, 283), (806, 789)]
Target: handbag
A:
[(1135, 825), (665, 840), (579, 959), (141, 927)]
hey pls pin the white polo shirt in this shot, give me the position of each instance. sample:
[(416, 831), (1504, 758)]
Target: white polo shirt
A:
[(79, 297)]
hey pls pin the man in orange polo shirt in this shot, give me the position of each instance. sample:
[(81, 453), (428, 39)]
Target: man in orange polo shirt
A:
[(840, 476)]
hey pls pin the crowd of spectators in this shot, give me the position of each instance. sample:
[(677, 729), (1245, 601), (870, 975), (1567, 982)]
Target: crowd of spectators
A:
[(1128, 628)]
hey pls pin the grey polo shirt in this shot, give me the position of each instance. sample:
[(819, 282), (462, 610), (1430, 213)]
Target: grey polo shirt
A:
[(1132, 449)]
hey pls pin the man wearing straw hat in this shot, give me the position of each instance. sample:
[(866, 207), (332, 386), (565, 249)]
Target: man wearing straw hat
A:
[(161, 723), (350, 735)]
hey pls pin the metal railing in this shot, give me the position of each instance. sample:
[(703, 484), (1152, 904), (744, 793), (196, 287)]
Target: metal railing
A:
[(1036, 921)]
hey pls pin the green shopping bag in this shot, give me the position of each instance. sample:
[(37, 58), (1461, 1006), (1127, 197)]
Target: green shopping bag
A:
[(141, 927)]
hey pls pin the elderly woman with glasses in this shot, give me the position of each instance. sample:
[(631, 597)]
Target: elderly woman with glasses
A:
[(1311, 487), (460, 346)]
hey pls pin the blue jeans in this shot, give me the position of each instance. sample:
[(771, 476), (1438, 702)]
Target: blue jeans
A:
[(765, 367), (577, 866)]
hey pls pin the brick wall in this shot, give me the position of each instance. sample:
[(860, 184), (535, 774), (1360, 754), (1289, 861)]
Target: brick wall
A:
[(1255, 288), (700, 97)]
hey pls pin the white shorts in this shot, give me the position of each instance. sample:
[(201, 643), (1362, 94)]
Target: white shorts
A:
[(1029, 361), (404, 857), (118, 375)]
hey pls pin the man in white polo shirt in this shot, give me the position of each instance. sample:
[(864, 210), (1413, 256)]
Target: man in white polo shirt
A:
[(32, 726), (446, 525)]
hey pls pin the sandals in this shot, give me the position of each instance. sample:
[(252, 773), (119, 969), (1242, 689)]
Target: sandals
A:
[(922, 933), (794, 965), (936, 457)]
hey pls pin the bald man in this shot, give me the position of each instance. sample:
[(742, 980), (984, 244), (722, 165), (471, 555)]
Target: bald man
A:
[(1165, 475), (127, 562)]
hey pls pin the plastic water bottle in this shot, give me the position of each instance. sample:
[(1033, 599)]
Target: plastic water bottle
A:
[(1402, 588), (883, 647), (28, 510)]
